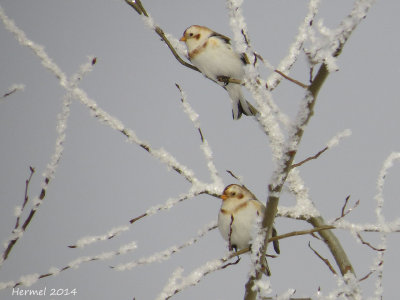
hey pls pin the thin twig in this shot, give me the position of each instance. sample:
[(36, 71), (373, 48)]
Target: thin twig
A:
[(345, 204), (13, 241), (150, 211), (301, 232), (325, 260), (137, 218), (138, 7), (180, 199), (286, 235), (368, 244), (185, 103), (233, 175), (344, 212), (26, 197), (167, 253), (334, 246), (370, 273), (309, 158), (304, 86), (9, 93), (231, 263), (75, 263), (316, 236), (26, 223)]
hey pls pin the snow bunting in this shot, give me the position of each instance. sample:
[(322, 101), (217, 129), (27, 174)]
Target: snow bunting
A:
[(213, 55), (237, 216)]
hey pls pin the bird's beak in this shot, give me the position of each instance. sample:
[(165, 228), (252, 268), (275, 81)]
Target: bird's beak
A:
[(223, 197), (183, 38)]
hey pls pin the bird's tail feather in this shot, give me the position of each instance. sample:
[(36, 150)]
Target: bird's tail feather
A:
[(246, 109), (239, 104)]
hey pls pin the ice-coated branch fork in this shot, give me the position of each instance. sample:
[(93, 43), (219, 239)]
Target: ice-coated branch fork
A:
[(70, 85), (75, 92)]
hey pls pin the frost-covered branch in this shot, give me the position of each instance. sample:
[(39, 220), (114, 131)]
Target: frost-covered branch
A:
[(20, 209), (17, 228), (197, 189), (378, 262), (167, 253), (290, 150), (87, 240), (170, 203), (205, 147), (28, 280), (323, 50), (333, 142), (63, 116), (177, 282), (98, 113), (295, 49)]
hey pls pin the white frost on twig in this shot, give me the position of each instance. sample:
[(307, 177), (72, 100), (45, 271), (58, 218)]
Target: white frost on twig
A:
[(62, 122), (388, 163), (337, 138), (177, 282), (304, 206), (171, 202), (323, 48), (87, 240), (258, 237), (269, 111), (205, 147), (179, 47), (30, 279), (378, 264), (167, 253), (187, 108), (238, 25), (37, 49), (263, 287), (81, 95), (63, 116), (149, 21), (388, 227), (295, 49), (347, 287), (17, 211), (104, 256)]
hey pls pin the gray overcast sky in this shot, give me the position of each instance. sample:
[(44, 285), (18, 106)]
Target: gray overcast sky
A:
[(102, 181)]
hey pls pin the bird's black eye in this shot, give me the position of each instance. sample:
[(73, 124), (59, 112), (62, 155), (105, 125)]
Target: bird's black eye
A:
[(191, 34), (233, 193)]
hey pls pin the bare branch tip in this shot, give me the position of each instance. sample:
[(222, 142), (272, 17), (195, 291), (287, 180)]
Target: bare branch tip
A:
[(233, 174), (325, 260)]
